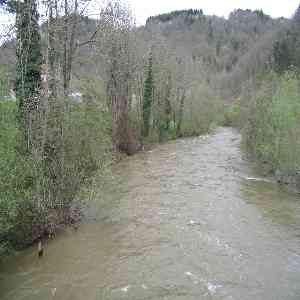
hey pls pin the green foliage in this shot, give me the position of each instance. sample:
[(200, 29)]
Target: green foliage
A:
[(286, 49), (29, 60), (4, 82), (147, 99), (86, 146), (232, 114), (174, 14), (273, 128), (88, 135), (26, 211), (203, 112), (260, 13), (15, 173), (8, 133)]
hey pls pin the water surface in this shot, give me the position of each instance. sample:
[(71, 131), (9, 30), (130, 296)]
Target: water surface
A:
[(187, 220)]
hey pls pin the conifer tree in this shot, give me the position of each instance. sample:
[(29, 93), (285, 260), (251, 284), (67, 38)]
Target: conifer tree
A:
[(148, 95), (29, 63)]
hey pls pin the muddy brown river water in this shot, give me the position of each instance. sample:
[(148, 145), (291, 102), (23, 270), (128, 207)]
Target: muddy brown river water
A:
[(188, 220)]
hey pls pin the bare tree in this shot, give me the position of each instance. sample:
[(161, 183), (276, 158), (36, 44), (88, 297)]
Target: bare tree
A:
[(116, 46)]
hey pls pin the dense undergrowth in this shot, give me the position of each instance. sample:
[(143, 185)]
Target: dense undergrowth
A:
[(269, 118), (26, 215), (272, 130), (88, 151)]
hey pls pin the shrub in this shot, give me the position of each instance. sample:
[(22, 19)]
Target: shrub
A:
[(232, 114), (203, 111), (273, 128), (27, 211), (15, 173)]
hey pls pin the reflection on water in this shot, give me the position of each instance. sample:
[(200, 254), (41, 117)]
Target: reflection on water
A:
[(187, 220)]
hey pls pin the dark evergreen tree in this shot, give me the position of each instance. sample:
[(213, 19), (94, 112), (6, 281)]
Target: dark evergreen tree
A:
[(148, 95), (29, 63), (167, 106), (186, 13)]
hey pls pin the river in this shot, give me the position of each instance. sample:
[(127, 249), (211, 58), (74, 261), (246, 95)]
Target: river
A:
[(189, 219)]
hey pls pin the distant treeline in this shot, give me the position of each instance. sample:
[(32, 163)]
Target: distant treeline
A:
[(166, 17), (240, 12), (174, 14)]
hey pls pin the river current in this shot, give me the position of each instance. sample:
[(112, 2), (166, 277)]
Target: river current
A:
[(189, 220)]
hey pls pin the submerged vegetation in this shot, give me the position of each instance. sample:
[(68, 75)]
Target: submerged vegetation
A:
[(87, 90)]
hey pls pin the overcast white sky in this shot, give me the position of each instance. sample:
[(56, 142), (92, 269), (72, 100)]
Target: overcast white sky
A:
[(143, 9), (276, 8)]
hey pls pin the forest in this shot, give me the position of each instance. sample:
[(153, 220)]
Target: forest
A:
[(77, 94)]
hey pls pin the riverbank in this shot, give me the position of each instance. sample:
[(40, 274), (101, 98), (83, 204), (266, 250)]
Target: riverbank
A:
[(183, 220), (39, 189), (265, 171), (29, 214), (268, 117)]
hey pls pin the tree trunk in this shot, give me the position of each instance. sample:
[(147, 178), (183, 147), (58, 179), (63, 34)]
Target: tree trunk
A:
[(180, 116)]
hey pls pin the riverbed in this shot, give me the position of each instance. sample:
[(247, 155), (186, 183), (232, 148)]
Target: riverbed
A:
[(190, 219)]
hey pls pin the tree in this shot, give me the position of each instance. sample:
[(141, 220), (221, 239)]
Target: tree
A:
[(29, 62), (148, 97), (180, 94), (69, 46), (286, 51), (117, 49), (282, 55), (167, 104)]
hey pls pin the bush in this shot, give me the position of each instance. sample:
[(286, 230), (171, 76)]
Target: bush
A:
[(15, 173), (26, 179), (273, 127), (4, 82), (203, 111), (232, 114)]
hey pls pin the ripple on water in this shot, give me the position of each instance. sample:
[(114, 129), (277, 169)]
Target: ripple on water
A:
[(187, 220)]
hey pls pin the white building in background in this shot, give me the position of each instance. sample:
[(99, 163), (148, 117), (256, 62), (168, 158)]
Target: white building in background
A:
[(76, 97), (12, 95)]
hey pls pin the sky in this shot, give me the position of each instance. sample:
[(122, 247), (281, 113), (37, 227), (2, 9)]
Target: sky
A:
[(142, 9), (276, 8)]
